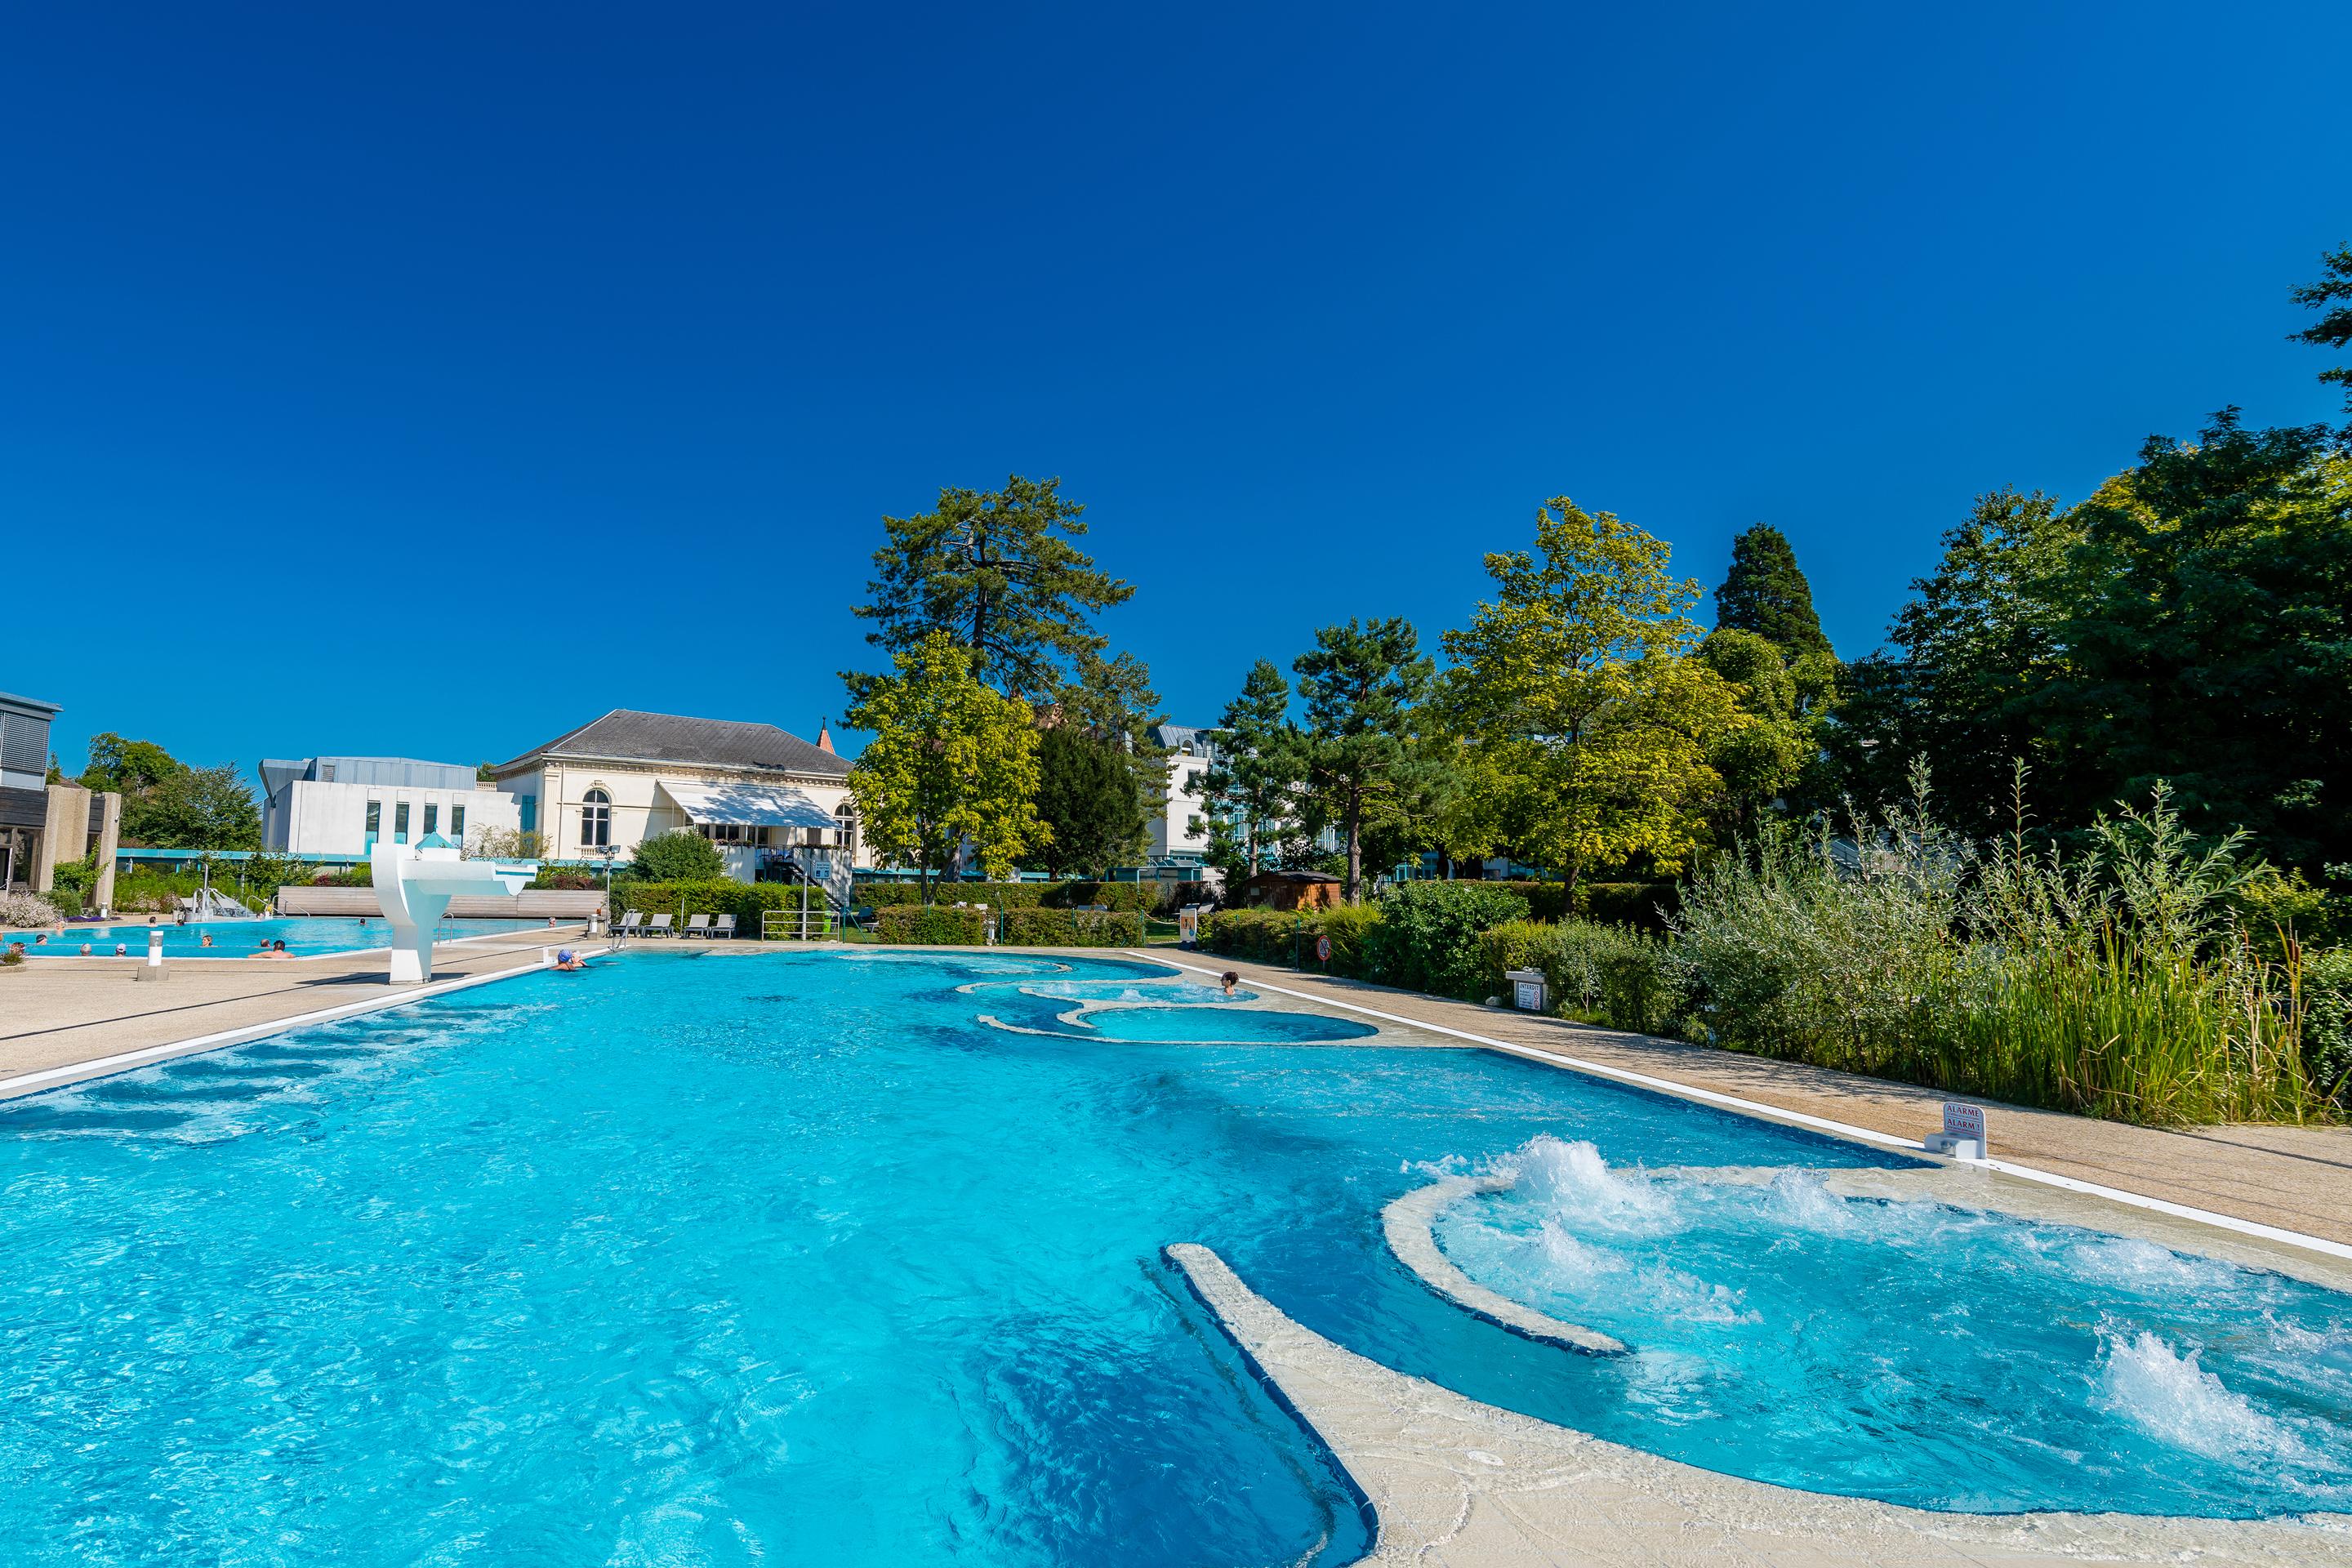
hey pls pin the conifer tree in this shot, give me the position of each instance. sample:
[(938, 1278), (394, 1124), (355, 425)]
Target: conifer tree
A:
[(1765, 592)]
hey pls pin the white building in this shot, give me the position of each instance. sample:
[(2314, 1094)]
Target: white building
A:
[(769, 800), (1174, 836), (343, 806)]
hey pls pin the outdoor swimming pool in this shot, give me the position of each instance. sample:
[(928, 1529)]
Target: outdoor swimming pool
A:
[(706, 1257), (241, 938)]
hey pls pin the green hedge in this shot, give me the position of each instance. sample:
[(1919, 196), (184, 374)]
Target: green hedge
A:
[(931, 925), (1069, 927), (1128, 898), (746, 901)]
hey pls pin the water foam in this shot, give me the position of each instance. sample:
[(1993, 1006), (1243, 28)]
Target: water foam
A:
[(1578, 1186), (2170, 1398)]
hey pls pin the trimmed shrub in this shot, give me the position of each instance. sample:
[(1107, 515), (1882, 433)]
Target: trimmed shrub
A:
[(1128, 898), (1072, 928), (1604, 974), (715, 896), (1002, 895), (677, 856), (931, 925), (1427, 937), (1268, 935)]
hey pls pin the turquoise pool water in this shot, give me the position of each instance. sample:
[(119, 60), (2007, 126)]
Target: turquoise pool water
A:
[(241, 938), (1927, 1353), (1179, 1012), (707, 1257)]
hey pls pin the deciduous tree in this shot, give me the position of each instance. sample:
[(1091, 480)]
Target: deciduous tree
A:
[(952, 762), (1589, 729)]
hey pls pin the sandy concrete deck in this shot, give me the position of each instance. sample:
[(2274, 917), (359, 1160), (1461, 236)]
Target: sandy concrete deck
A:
[(59, 1013), (2296, 1178), (1457, 1484)]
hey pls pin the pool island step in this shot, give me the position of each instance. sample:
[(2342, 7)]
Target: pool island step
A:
[(1454, 1483)]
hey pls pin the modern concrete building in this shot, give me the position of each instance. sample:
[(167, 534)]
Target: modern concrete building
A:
[(767, 799), (344, 805), (43, 825)]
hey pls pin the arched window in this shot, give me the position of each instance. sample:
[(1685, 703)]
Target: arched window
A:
[(844, 824), (595, 820)]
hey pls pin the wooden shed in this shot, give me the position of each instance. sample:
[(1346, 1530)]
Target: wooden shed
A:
[(1290, 890)]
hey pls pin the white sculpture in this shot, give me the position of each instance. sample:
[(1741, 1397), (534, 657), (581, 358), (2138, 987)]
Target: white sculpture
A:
[(414, 887)]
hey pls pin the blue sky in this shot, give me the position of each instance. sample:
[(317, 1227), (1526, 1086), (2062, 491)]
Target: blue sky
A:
[(591, 344)]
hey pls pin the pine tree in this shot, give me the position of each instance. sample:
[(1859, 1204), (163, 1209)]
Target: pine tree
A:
[(1766, 594)]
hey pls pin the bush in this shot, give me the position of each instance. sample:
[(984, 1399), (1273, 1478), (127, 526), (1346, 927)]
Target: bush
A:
[(1268, 935), (1000, 895), (1605, 974), (25, 909), (2328, 1023), (677, 856), (1072, 928), (1645, 906), (931, 925), (572, 879), (1427, 937)]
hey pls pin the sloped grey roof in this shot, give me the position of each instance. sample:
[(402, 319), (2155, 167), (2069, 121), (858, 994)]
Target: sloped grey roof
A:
[(627, 735)]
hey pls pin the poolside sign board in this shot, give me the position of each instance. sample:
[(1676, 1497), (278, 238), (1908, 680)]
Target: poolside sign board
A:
[(1964, 1132), (1526, 989), (1323, 949)]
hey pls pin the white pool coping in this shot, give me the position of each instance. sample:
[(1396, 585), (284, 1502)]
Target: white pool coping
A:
[(1799, 1119)]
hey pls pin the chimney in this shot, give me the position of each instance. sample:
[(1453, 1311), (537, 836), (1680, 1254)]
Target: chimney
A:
[(823, 737)]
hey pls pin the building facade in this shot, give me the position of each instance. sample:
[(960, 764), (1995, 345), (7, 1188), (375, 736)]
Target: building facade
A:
[(1180, 831), (763, 796), (344, 805), (43, 825)]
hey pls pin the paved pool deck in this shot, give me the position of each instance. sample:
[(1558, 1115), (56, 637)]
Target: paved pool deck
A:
[(64, 1019), (2293, 1178)]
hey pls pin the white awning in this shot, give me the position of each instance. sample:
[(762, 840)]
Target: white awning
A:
[(748, 805)]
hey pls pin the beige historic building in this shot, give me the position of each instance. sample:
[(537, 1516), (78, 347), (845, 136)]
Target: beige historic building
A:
[(766, 798)]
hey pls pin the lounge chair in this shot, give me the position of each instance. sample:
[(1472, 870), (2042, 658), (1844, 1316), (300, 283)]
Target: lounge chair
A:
[(697, 925), (724, 926), (631, 925), (660, 926)]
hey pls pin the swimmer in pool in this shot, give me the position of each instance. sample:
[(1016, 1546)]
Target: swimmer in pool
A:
[(568, 962), (273, 949), (85, 950), (121, 950), (1229, 980), (205, 940)]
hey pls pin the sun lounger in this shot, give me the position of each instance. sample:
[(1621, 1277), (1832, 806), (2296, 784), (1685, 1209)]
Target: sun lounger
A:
[(725, 927), (659, 926), (697, 925), (631, 924)]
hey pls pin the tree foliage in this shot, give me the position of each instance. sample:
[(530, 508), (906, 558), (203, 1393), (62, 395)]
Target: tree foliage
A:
[(128, 767), (1764, 591), (196, 808), (2331, 296), (952, 762), (1252, 784), (1088, 799), (1361, 683), (995, 571), (1589, 727)]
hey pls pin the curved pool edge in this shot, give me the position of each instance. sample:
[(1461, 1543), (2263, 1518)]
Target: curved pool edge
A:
[(1408, 1225), (1452, 1480)]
